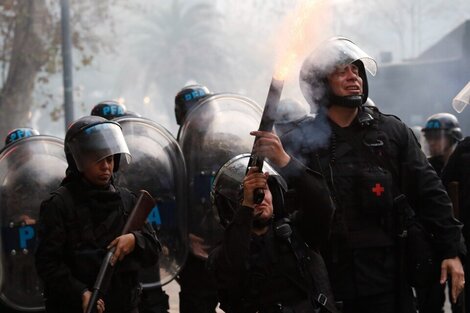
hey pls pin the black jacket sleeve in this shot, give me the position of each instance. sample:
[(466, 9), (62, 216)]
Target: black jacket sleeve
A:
[(314, 207), (424, 189), (51, 253), (147, 246), (458, 170)]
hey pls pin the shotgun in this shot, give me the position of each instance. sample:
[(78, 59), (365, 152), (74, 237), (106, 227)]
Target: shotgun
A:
[(267, 123), (136, 220)]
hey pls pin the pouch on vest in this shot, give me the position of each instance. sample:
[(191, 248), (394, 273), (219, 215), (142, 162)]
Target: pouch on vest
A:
[(375, 185)]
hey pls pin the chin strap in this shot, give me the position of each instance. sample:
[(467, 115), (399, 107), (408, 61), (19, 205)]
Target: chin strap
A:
[(349, 101)]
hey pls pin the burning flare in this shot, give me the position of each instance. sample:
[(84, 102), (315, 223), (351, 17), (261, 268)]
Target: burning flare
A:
[(302, 29)]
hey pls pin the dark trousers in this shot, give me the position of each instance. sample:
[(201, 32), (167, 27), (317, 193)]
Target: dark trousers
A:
[(198, 289)]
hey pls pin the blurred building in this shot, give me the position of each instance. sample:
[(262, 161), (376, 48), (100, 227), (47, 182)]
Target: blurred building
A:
[(416, 88)]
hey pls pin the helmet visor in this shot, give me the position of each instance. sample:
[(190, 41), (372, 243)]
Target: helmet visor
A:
[(340, 51), (98, 142), (462, 99)]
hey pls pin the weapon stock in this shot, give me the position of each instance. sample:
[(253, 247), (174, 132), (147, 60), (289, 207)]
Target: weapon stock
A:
[(136, 220), (267, 123)]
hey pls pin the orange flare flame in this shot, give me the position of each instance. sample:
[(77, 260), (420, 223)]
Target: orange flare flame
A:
[(301, 30)]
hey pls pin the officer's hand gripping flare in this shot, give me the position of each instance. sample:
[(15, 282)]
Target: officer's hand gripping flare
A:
[(267, 123)]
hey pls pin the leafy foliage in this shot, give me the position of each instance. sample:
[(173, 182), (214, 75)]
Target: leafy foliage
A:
[(30, 49)]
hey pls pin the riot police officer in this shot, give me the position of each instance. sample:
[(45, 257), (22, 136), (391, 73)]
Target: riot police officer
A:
[(31, 166), (365, 156), (84, 217), (109, 109), (18, 134), (153, 300), (198, 293), (14, 136), (458, 171), (213, 130), (441, 133), (112, 109), (268, 259), (186, 99)]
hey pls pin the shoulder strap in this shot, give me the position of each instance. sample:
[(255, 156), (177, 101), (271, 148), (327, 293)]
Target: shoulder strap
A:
[(300, 251)]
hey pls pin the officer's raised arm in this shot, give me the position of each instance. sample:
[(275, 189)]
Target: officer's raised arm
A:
[(263, 262)]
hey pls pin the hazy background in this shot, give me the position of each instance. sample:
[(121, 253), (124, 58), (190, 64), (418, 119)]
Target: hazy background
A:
[(143, 52)]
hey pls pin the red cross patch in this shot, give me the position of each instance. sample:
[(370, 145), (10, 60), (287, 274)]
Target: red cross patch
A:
[(378, 189)]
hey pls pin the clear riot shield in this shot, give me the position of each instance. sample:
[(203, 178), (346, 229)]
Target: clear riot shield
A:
[(216, 130), (462, 99), (158, 167), (30, 169)]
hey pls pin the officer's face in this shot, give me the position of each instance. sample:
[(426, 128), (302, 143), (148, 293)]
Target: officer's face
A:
[(100, 173), (345, 81), (438, 143), (264, 210)]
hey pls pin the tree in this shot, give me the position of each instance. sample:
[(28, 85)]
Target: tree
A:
[(30, 51), (179, 42), (24, 53)]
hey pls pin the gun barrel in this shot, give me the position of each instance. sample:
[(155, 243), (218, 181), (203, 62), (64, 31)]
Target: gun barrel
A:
[(267, 123), (91, 308), (270, 107), (105, 270)]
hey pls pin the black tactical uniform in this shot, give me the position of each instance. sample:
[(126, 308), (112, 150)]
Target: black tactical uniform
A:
[(365, 165), (437, 164), (198, 292), (458, 170), (431, 299), (76, 227), (278, 271), (443, 128), (441, 134), (153, 300), (80, 220), (377, 175)]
